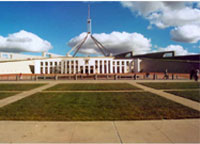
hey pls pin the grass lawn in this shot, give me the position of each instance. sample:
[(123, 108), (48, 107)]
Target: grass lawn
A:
[(92, 86), (172, 85), (95, 106), (6, 94), (18, 87), (192, 95)]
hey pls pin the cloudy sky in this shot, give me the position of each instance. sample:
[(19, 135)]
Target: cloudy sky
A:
[(142, 27)]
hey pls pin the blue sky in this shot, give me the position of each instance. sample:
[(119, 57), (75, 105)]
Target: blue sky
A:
[(59, 22)]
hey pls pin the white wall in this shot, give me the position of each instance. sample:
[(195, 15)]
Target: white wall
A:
[(16, 56), (16, 67)]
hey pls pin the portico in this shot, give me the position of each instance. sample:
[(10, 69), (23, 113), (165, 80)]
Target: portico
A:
[(88, 65)]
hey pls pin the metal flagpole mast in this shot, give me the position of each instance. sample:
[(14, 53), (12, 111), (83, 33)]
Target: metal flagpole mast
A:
[(89, 34), (89, 26)]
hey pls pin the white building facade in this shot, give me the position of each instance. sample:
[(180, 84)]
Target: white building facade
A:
[(83, 65)]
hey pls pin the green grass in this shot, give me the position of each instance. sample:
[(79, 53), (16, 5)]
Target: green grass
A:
[(95, 106), (18, 87), (192, 95), (92, 86), (6, 94), (172, 85)]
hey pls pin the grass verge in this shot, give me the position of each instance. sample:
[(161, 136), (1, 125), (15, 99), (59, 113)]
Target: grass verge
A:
[(172, 85), (18, 87), (92, 86), (95, 106), (6, 94), (192, 95)]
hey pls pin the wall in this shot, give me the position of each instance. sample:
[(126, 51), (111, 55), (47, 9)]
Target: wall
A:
[(16, 67), (156, 65)]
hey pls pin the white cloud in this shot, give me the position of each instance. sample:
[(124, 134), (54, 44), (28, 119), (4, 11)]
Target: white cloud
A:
[(165, 14), (186, 33), (23, 41), (168, 14), (116, 42), (179, 50)]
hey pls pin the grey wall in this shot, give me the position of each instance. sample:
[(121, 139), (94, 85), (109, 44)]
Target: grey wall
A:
[(156, 65)]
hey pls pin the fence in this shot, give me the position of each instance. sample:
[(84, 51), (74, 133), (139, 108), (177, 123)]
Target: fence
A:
[(130, 76)]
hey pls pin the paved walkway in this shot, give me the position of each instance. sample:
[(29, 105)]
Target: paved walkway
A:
[(162, 131)]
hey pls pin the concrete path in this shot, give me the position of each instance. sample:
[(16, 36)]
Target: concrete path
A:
[(181, 100), (161, 131), (24, 94), (94, 91)]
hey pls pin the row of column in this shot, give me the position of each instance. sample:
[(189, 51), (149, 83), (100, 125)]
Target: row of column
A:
[(100, 66)]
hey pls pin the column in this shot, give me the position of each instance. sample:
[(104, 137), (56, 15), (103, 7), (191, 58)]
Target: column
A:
[(116, 66), (48, 69), (125, 66), (111, 66), (79, 67), (120, 66), (83, 69), (61, 66), (65, 63), (74, 66), (107, 66), (103, 62), (53, 66), (98, 66), (70, 67), (89, 69)]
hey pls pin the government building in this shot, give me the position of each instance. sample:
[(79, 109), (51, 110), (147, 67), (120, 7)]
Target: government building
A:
[(124, 63)]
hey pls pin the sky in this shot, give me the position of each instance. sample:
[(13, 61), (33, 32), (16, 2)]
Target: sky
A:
[(141, 27)]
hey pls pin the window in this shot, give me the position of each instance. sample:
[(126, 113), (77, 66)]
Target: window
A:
[(41, 63), (122, 62), (168, 55), (87, 61), (128, 55), (127, 63), (46, 63)]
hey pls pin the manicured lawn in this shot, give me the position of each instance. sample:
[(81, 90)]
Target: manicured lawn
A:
[(71, 106), (172, 85), (18, 87), (92, 86), (6, 94), (192, 95)]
